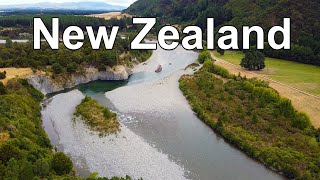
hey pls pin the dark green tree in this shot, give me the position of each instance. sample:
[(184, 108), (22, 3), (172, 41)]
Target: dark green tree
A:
[(41, 167), (8, 43), (108, 58), (2, 75), (61, 163), (203, 56), (72, 67), (253, 60), (57, 68)]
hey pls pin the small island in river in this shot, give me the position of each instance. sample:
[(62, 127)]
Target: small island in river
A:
[(97, 117)]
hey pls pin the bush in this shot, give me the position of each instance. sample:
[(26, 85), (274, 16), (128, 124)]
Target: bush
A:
[(212, 68), (2, 75), (101, 67), (72, 67), (203, 56), (253, 60), (3, 89), (57, 68), (301, 121), (41, 167), (109, 58), (61, 164)]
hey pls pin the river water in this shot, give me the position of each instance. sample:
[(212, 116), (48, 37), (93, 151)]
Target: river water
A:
[(160, 137)]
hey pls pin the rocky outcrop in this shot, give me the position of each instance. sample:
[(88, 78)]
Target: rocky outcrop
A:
[(47, 84)]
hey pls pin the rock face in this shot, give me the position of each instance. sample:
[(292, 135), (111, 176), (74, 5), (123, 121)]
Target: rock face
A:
[(46, 84)]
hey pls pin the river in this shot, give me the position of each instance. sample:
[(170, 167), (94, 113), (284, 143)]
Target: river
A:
[(160, 137)]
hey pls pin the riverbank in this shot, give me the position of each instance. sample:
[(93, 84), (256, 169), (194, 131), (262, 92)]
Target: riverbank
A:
[(114, 155), (254, 118), (22, 136), (48, 84)]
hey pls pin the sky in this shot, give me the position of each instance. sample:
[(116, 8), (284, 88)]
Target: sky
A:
[(114, 2)]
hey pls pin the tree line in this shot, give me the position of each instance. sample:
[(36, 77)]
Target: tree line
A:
[(64, 60), (64, 21)]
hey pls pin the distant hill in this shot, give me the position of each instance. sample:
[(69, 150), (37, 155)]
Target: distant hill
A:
[(304, 14), (66, 6)]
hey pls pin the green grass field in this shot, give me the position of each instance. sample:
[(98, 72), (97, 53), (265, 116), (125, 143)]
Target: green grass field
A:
[(302, 76)]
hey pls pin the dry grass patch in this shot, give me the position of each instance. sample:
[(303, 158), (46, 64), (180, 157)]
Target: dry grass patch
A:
[(12, 73), (4, 137), (110, 15)]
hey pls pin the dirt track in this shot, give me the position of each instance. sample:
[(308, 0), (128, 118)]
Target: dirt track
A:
[(301, 100)]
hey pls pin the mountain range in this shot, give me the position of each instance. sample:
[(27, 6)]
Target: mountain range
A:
[(66, 6)]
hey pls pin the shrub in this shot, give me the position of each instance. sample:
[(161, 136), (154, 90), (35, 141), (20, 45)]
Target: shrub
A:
[(72, 67), (301, 121), (57, 68), (61, 164), (41, 167), (2, 75), (3, 89), (109, 58), (253, 60), (212, 68), (203, 56)]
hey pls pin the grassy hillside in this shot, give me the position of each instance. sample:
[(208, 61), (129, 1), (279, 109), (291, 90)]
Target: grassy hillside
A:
[(302, 76)]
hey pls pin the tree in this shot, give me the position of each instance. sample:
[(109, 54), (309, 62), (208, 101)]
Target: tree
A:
[(25, 170), (41, 167), (61, 164), (2, 75), (203, 56), (220, 51), (8, 151), (109, 57), (3, 89), (72, 67), (8, 43), (301, 121), (57, 68), (253, 60)]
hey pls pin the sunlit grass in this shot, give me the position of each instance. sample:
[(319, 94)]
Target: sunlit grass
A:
[(302, 76)]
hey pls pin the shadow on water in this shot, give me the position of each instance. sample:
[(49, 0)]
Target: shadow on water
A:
[(96, 90)]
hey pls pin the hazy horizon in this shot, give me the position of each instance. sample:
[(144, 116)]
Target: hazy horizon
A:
[(112, 2)]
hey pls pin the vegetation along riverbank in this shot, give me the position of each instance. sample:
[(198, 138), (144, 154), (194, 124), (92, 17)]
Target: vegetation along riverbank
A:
[(255, 118), (295, 81), (25, 149)]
